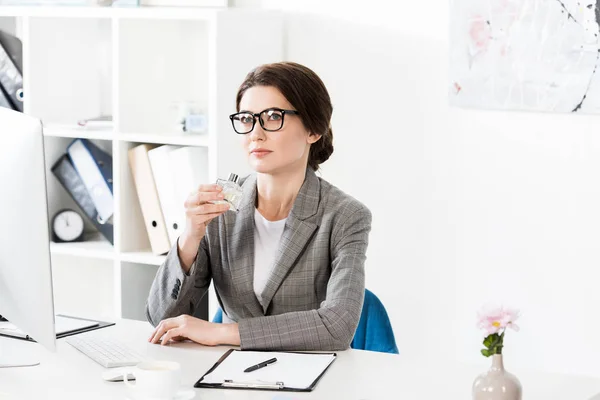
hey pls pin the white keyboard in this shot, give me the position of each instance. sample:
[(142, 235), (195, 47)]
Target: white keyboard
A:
[(106, 352)]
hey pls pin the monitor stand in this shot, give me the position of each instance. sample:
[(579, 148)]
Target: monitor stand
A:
[(16, 353)]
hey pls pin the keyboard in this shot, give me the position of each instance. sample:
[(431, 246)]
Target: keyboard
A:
[(107, 352)]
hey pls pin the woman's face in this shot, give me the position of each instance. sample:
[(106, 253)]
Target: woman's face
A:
[(283, 150)]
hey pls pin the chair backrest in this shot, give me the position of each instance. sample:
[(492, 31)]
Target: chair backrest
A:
[(218, 318), (374, 331)]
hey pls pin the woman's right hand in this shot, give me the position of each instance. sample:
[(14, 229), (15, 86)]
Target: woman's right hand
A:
[(199, 212)]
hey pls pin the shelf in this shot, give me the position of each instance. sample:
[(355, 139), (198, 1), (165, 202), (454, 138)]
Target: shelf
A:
[(140, 65), (141, 12), (72, 131), (142, 257), (95, 247), (69, 131), (200, 140)]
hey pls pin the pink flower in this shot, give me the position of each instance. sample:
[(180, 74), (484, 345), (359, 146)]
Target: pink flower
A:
[(497, 319)]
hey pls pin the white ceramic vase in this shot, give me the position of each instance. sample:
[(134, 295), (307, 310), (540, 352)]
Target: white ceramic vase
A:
[(497, 383)]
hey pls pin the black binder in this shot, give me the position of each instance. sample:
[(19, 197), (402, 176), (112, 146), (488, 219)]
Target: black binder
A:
[(11, 79), (278, 386), (4, 101), (66, 174)]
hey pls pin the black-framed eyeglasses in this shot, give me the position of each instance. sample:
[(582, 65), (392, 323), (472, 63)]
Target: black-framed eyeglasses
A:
[(270, 120)]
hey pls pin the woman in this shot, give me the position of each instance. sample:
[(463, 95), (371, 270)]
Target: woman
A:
[(288, 267)]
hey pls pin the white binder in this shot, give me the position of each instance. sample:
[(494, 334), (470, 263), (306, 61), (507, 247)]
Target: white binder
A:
[(148, 197), (190, 168), (164, 178)]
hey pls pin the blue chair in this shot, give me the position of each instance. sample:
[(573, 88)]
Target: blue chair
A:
[(374, 331), (218, 318)]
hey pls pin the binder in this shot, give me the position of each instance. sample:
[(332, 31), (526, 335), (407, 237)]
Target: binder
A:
[(302, 371), (94, 166), (4, 101), (172, 208), (14, 48), (11, 79), (148, 198), (66, 174), (190, 168)]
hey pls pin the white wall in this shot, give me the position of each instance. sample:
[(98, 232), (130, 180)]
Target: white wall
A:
[(487, 206)]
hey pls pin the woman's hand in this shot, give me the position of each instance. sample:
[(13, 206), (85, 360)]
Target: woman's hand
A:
[(197, 330), (199, 212)]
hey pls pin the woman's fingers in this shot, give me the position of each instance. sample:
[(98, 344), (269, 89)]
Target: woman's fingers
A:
[(199, 198), (207, 209), (211, 187), (162, 328), (171, 334)]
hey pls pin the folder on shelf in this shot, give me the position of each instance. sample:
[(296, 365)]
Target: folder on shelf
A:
[(94, 166), (172, 208), (11, 79), (14, 48), (4, 101), (295, 372), (148, 198), (190, 170), (66, 174)]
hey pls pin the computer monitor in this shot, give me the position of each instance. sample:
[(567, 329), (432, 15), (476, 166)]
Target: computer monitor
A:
[(26, 297)]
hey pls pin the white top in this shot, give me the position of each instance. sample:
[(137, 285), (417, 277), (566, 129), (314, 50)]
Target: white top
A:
[(267, 235)]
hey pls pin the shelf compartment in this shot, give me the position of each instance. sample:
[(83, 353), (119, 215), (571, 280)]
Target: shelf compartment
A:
[(94, 246), (166, 65), (93, 293), (74, 77), (58, 197), (136, 280)]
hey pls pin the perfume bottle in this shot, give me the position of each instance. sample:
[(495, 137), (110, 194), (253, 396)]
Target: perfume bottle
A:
[(232, 192)]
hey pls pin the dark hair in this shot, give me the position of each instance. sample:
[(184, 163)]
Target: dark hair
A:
[(307, 93)]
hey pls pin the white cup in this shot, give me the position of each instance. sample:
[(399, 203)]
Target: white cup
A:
[(155, 380)]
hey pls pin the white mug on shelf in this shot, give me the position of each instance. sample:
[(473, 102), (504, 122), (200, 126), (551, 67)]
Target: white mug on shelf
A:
[(154, 379)]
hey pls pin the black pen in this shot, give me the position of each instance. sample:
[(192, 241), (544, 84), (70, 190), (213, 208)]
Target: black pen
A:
[(260, 365)]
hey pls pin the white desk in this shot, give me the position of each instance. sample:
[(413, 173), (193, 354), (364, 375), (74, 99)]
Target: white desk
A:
[(69, 375)]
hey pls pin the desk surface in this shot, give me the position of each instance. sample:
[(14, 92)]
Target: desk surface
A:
[(357, 375)]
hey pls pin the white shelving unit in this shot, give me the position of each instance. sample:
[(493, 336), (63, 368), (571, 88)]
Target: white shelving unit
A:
[(135, 64)]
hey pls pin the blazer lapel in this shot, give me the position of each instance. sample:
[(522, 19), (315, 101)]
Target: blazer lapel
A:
[(298, 231), (240, 248)]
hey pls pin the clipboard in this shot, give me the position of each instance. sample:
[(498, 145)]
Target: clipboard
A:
[(276, 385)]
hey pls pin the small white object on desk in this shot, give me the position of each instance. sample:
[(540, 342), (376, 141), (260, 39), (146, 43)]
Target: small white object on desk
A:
[(117, 374), (157, 379)]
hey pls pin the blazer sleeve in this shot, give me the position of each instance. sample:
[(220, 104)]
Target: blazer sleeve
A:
[(332, 326), (174, 292)]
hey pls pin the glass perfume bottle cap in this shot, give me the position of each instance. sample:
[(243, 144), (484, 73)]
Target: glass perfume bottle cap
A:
[(233, 177)]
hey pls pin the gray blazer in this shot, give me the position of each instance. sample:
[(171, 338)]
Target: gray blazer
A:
[(313, 300)]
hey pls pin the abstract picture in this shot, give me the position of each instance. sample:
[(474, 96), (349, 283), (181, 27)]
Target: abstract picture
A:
[(535, 55)]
